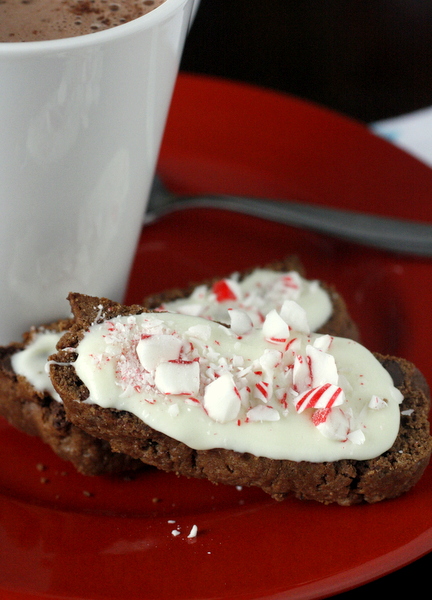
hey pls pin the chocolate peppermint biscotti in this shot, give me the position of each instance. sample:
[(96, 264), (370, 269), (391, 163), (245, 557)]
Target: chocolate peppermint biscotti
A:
[(293, 412), (29, 403)]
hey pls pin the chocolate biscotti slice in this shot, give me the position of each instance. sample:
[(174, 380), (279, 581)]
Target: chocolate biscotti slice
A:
[(259, 290), (29, 402), (293, 412)]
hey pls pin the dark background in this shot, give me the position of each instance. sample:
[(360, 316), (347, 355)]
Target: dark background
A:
[(369, 59)]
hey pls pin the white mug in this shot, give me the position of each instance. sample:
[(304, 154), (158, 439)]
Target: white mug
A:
[(81, 122)]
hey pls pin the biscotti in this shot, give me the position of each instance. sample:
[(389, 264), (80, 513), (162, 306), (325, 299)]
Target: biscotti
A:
[(259, 290), (290, 411), (29, 403), (33, 407)]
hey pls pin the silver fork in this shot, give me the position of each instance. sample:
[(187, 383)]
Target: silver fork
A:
[(397, 235)]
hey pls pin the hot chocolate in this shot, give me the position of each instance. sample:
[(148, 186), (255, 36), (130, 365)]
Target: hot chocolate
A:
[(33, 20)]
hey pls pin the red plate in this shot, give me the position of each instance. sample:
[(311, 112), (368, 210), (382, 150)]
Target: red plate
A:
[(66, 536)]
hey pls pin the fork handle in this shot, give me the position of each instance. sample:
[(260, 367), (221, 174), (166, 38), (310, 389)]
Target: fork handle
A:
[(387, 233)]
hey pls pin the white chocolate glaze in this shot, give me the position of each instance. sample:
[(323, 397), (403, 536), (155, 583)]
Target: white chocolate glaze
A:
[(31, 362), (256, 294), (222, 390)]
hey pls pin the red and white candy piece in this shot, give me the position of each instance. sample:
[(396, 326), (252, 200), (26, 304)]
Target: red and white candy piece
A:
[(323, 342), (263, 390), (222, 399), (377, 403), (323, 396), (201, 331), (301, 374), (322, 367), (262, 412), (332, 423), (199, 293), (275, 329), (295, 316), (291, 280), (154, 349), (191, 309), (357, 437), (240, 322), (244, 393), (287, 285), (226, 290), (270, 359), (178, 377)]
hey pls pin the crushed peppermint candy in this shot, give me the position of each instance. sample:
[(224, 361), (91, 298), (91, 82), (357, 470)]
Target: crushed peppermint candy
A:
[(408, 412), (193, 532), (175, 532), (275, 329), (333, 423), (222, 399), (377, 403), (263, 413), (356, 437), (155, 349), (256, 294), (323, 342), (178, 377), (240, 321), (323, 396), (226, 289), (295, 316)]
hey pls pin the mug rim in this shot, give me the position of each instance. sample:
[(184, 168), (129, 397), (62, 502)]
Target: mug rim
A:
[(146, 21)]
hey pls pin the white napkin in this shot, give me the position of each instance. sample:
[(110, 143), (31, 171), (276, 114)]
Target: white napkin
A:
[(412, 132)]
